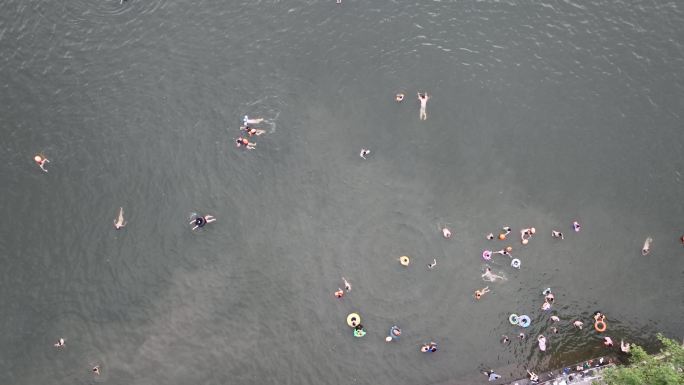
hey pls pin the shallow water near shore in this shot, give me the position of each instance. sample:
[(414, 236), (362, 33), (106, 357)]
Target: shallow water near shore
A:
[(540, 115)]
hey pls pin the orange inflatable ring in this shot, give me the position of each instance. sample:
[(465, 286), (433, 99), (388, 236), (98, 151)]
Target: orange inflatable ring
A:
[(600, 326)]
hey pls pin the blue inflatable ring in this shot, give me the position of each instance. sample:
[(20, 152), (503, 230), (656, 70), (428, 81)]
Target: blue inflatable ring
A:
[(524, 321), (513, 319)]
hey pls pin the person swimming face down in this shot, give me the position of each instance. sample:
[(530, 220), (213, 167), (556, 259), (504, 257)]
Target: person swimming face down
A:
[(491, 277)]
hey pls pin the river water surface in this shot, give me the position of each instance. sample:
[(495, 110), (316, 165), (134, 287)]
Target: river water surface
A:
[(542, 113)]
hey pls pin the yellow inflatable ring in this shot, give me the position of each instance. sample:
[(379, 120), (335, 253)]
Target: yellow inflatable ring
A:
[(404, 260), (353, 319)]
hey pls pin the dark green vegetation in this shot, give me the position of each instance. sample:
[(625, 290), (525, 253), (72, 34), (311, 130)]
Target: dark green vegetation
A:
[(666, 368)]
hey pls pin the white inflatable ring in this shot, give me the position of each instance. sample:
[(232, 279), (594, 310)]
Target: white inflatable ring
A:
[(524, 321), (513, 319)]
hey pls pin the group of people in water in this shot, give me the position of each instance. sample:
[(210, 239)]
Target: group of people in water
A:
[(526, 234), (250, 131), (549, 298)]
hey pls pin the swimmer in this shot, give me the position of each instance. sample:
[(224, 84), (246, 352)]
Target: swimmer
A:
[(521, 336), (247, 121), (681, 239), (399, 97), (96, 370), (504, 252), (554, 330), (556, 234), (252, 131), (446, 232), (546, 306), (433, 264), (542, 342), (60, 343), (481, 292), (576, 226), (490, 236), (41, 160), (239, 142), (201, 221), (555, 318), (578, 324), (491, 376), (506, 229), (624, 347), (505, 340), (526, 234), (120, 222), (347, 285), (395, 333), (429, 348), (599, 317), (549, 298), (647, 246), (491, 277), (533, 376), (607, 341), (364, 152), (339, 293), (339, 1), (423, 97)]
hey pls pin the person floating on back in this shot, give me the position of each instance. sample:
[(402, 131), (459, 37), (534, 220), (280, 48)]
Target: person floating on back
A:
[(423, 98)]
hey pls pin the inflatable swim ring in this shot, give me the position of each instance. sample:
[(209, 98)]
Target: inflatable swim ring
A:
[(394, 333), (353, 319), (404, 260), (513, 319), (600, 326), (524, 321), (515, 263), (487, 255)]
